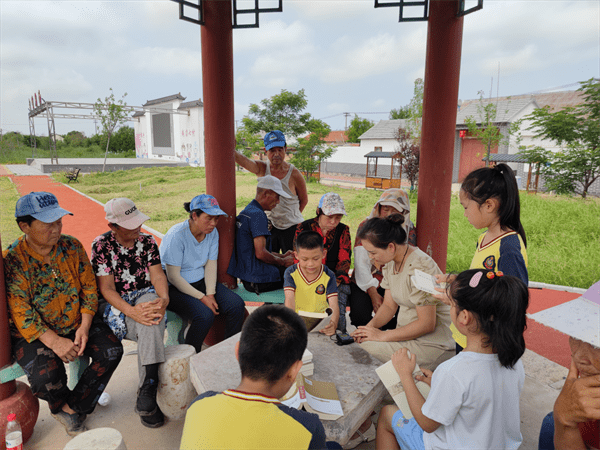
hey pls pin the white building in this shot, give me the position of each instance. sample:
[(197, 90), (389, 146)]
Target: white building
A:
[(171, 135)]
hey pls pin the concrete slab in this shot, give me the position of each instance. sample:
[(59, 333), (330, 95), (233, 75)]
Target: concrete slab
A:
[(351, 368), (88, 165), (23, 169)]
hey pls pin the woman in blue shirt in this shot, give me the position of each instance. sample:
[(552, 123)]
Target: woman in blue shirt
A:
[(189, 254)]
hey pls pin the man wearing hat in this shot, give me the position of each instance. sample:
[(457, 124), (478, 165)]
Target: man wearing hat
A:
[(288, 213), (135, 295), (52, 299), (252, 261)]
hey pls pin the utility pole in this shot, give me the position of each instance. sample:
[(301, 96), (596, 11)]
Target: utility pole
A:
[(346, 114)]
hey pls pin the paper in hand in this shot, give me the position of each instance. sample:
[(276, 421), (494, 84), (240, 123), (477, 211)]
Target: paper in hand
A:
[(425, 282)]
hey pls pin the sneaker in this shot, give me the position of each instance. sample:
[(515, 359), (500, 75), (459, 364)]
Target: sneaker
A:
[(73, 423), (367, 436), (155, 420), (146, 400)]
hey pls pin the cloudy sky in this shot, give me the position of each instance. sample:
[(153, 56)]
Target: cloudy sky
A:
[(348, 56)]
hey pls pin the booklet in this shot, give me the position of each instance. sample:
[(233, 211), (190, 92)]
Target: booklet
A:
[(425, 282), (312, 319), (319, 397), (391, 380)]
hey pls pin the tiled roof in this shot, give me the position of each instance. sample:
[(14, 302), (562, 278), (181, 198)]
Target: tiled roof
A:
[(191, 104), (336, 137), (506, 110), (555, 100), (138, 113), (384, 129), (164, 99)]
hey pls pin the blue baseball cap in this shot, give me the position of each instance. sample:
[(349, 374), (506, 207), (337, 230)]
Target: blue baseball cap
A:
[(208, 204), (274, 139), (42, 206)]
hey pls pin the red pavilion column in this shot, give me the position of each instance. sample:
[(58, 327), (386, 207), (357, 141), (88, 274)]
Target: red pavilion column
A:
[(219, 122), (442, 74)]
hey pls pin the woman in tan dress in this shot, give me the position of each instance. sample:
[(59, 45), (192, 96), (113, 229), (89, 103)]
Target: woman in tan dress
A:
[(423, 325)]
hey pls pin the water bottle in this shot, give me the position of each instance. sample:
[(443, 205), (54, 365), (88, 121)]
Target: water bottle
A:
[(14, 435)]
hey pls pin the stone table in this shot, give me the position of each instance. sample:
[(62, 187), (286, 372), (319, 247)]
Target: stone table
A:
[(350, 367)]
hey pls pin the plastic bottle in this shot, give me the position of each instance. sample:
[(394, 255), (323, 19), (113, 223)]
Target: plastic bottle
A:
[(14, 435)]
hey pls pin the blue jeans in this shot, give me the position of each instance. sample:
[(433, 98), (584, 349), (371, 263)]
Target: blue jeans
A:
[(546, 441), (201, 316)]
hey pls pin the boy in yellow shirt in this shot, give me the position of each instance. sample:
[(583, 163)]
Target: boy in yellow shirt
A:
[(309, 285)]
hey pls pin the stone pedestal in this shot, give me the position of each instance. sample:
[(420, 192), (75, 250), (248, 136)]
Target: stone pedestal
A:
[(175, 389), (97, 439)]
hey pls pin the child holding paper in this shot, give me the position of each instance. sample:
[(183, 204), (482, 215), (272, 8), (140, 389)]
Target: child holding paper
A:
[(310, 285), (474, 397)]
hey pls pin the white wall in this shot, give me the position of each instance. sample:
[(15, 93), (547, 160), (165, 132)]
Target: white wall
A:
[(387, 145), (188, 136), (349, 154)]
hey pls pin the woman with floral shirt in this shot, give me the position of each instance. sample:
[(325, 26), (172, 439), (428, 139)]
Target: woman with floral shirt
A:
[(130, 278)]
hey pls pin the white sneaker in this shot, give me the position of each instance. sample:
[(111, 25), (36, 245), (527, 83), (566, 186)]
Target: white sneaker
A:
[(367, 436)]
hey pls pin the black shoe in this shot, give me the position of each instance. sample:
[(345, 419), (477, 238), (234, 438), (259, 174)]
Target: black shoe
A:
[(155, 420), (146, 400), (73, 423)]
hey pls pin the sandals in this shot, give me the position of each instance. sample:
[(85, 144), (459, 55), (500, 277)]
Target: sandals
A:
[(367, 436)]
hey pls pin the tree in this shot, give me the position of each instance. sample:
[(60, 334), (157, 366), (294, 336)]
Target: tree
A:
[(312, 150), (281, 112), (410, 152), (413, 112), (74, 138), (357, 127), (112, 113), (400, 113), (577, 166), (247, 143), (484, 128)]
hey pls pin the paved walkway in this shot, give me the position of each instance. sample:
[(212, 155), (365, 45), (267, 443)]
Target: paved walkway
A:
[(545, 360)]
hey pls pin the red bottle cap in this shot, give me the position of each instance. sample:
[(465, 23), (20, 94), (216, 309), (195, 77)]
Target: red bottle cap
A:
[(11, 417)]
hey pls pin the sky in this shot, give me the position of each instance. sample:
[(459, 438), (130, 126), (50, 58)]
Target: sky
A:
[(346, 55)]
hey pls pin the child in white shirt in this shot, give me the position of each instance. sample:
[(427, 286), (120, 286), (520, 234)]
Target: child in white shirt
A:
[(474, 398)]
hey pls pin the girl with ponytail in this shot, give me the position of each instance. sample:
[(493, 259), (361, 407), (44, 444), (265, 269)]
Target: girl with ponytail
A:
[(474, 397), (490, 198)]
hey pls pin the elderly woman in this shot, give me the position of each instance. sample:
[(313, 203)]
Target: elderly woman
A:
[(189, 254), (135, 295), (52, 300), (366, 293), (336, 242)]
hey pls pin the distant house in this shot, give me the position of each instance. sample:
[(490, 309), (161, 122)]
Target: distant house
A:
[(469, 151), (349, 159), (160, 133)]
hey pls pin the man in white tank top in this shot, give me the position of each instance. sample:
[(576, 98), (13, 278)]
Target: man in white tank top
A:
[(288, 213)]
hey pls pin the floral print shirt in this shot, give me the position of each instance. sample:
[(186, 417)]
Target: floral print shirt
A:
[(131, 270), (129, 266), (48, 296)]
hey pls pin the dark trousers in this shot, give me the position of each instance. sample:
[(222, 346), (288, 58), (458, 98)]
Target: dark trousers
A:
[(201, 316), (546, 441), (48, 378), (361, 308), (269, 286), (282, 240)]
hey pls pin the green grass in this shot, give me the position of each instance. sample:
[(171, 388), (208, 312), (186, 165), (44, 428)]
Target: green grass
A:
[(563, 233), (19, 154), (8, 198)]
